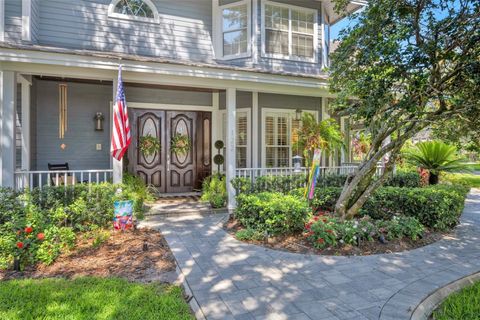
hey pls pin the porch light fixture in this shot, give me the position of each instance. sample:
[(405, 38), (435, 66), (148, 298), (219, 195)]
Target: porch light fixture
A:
[(298, 114), (297, 163), (99, 121)]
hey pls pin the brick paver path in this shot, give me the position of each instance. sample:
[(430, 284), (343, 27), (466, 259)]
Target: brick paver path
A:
[(234, 280)]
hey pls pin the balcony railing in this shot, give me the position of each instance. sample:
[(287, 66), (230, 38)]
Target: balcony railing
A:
[(32, 179)]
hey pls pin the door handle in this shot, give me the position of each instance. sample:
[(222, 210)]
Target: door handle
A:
[(168, 162)]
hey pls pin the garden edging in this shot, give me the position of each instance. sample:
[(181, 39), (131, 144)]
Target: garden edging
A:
[(430, 303)]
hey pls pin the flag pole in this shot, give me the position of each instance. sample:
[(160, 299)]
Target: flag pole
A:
[(117, 165)]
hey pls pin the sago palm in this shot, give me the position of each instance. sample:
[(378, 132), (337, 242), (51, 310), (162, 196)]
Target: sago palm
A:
[(436, 157)]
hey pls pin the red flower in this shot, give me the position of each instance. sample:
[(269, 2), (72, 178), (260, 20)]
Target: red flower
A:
[(320, 240), (308, 226), (40, 236), (330, 231), (315, 218), (19, 245), (28, 229)]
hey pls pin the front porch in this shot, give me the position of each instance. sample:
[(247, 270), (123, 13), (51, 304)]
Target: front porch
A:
[(256, 126)]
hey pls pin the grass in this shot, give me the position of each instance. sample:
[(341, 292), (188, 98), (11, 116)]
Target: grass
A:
[(468, 179), (463, 305), (90, 298)]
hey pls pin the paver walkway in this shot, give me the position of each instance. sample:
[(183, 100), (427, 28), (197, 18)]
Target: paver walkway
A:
[(234, 280)]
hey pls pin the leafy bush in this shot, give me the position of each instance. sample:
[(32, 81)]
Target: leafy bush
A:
[(275, 213), (404, 179), (438, 207), (326, 231), (39, 225), (325, 198), (283, 184), (214, 191), (249, 234), (332, 180)]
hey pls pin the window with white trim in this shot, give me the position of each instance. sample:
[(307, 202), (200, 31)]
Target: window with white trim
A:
[(280, 132), (242, 154), (233, 34), (143, 10), (289, 32)]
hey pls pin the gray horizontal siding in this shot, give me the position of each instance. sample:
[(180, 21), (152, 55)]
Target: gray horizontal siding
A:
[(84, 101), (13, 20), (183, 32), (164, 96)]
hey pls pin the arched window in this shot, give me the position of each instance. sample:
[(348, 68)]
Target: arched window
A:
[(133, 9)]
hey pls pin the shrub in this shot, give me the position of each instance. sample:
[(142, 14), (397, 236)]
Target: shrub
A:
[(283, 184), (249, 234), (404, 179), (57, 213), (325, 231), (214, 191), (325, 198), (332, 180), (438, 207), (275, 213)]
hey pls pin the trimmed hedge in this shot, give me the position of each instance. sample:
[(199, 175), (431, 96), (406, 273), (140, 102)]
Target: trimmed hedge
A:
[(275, 213), (438, 207)]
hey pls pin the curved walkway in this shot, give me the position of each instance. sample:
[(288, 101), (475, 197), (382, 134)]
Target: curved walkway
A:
[(234, 280)]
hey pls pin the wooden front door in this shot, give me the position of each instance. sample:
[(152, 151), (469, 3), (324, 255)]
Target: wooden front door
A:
[(172, 169)]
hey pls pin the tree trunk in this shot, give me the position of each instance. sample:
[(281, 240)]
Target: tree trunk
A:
[(433, 179)]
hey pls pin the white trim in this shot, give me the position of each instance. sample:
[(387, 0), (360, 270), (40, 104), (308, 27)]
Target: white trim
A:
[(2, 20), (255, 31), (223, 128), (216, 130), (25, 132), (255, 131), (27, 20), (92, 67), (290, 57), (231, 105), (218, 29), (149, 3), (290, 112), (170, 106)]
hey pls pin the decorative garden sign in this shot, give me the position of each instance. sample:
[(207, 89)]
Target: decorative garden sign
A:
[(123, 215)]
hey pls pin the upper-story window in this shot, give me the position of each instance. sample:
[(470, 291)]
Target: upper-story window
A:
[(142, 10), (289, 32), (233, 34)]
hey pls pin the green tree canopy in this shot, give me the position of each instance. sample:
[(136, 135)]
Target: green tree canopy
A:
[(406, 65)]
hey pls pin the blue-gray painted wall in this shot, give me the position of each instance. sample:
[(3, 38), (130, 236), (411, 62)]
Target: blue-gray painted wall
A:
[(184, 31)]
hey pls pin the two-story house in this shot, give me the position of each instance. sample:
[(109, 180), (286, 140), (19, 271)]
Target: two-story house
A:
[(239, 71)]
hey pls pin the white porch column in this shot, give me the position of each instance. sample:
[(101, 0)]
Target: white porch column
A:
[(255, 133), (26, 82), (8, 89), (343, 130), (216, 126), (117, 166), (325, 116), (230, 145)]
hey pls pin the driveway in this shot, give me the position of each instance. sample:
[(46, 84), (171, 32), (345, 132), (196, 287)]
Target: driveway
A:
[(234, 280)]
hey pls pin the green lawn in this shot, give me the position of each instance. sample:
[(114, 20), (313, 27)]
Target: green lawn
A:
[(468, 179), (463, 305), (90, 298)]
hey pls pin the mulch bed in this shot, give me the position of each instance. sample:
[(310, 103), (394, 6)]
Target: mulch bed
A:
[(122, 255), (297, 243)]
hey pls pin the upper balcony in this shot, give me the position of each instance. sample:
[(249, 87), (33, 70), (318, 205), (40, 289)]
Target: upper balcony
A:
[(277, 36)]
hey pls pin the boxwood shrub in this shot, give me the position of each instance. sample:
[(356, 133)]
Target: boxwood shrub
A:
[(273, 212)]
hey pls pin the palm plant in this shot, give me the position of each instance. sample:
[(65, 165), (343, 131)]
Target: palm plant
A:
[(324, 135), (436, 157)]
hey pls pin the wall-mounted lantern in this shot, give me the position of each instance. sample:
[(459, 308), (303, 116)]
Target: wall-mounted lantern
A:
[(298, 114), (297, 163), (99, 121)]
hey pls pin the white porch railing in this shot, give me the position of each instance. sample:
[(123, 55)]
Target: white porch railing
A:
[(253, 173), (32, 179)]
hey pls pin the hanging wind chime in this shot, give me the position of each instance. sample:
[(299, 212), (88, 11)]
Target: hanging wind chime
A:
[(62, 110)]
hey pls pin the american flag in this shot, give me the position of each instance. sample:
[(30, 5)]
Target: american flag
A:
[(121, 136)]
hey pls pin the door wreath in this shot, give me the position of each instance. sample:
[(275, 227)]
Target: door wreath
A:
[(180, 144), (149, 145)]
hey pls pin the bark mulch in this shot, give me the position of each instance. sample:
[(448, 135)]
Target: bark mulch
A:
[(121, 255), (297, 243)]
